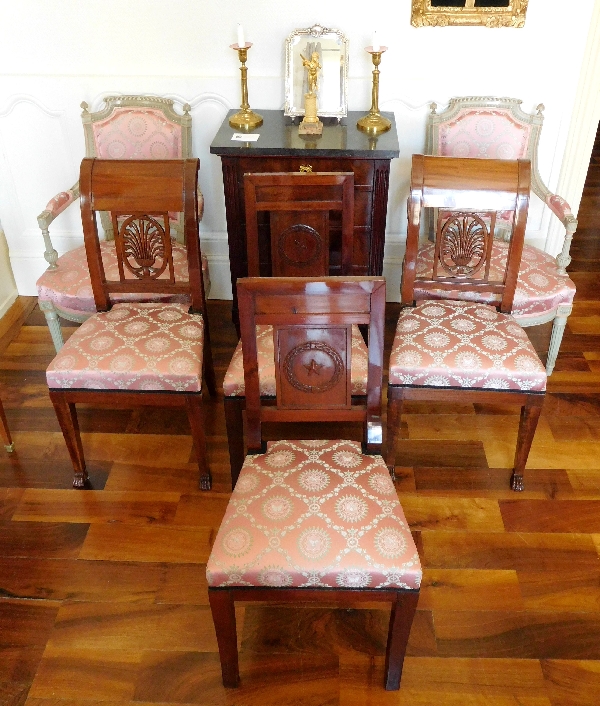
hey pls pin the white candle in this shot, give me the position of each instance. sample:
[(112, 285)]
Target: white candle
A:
[(375, 45), (241, 39)]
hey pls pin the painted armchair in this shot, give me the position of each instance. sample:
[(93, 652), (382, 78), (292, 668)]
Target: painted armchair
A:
[(497, 128), (127, 127)]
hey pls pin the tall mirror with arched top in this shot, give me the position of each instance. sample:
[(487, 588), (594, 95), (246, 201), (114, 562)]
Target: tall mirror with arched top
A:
[(490, 13)]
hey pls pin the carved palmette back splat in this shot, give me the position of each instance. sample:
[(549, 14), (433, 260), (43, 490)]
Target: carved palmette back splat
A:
[(463, 244), (143, 246), (313, 366)]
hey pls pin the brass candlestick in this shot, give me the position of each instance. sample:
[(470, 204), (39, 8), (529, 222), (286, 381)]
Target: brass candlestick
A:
[(244, 119), (374, 123)]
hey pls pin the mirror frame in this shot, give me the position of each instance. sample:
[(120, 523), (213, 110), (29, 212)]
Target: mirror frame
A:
[(316, 31), (423, 15)]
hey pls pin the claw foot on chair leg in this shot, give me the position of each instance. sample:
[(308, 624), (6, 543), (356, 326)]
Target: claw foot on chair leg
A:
[(205, 482), (10, 447), (80, 480), (516, 482)]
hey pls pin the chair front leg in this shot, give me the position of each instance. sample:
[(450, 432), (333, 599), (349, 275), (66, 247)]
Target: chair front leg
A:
[(223, 613), (530, 414), (67, 418), (558, 329), (394, 418), (5, 431), (401, 619), (53, 323), (234, 420), (193, 404)]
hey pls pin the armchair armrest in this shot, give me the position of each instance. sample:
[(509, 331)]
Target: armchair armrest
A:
[(561, 209), (55, 207)]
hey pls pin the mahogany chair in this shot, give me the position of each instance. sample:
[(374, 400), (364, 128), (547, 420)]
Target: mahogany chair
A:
[(313, 521), (128, 127), (291, 233), (489, 127), (135, 353), (456, 350), (5, 431)]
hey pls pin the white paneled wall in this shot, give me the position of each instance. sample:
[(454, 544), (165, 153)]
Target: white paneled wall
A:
[(56, 53)]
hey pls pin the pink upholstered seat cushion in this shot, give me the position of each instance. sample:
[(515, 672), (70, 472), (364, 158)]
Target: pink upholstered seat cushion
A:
[(314, 514), (446, 343), (70, 288), (539, 288), (234, 384), (133, 347)]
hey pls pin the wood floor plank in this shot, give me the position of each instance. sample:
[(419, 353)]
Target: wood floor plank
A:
[(134, 477), (501, 550), (148, 543), (26, 623), (432, 513), (42, 539), (470, 589), (575, 682), (522, 634), (133, 626), (184, 584), (79, 580), (576, 516), (87, 674), (144, 507), (561, 591)]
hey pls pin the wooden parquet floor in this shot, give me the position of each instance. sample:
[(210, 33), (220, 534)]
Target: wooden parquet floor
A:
[(103, 598)]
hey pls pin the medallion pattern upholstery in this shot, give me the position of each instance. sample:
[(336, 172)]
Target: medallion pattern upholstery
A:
[(233, 384), (459, 344), (539, 288), (314, 514), (128, 127), (69, 287), (497, 128), (133, 347)]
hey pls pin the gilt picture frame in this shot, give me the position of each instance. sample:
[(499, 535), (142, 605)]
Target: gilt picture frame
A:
[(487, 13)]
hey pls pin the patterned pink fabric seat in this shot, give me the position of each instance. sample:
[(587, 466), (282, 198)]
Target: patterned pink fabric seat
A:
[(539, 288), (314, 514), (134, 346), (233, 384), (70, 288), (445, 343)]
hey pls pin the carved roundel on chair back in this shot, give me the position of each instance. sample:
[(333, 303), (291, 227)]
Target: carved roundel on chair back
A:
[(300, 245), (463, 244), (144, 246), (313, 366)]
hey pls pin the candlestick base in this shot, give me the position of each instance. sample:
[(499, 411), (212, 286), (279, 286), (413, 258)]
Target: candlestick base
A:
[(374, 124), (245, 120)]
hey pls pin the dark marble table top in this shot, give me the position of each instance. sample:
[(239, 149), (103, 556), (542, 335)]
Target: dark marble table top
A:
[(279, 137)]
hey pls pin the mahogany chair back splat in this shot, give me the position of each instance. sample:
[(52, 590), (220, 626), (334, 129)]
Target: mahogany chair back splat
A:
[(299, 205), (313, 521), (301, 240), (139, 351), (457, 349)]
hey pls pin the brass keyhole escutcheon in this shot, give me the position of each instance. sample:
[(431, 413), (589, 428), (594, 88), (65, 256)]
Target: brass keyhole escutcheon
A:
[(306, 168)]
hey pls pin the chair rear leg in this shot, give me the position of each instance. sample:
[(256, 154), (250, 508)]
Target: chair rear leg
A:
[(394, 419), (234, 420), (193, 404), (223, 612), (5, 431), (530, 413), (401, 619), (207, 364), (67, 418)]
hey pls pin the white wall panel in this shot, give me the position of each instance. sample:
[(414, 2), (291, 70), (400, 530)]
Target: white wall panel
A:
[(60, 52)]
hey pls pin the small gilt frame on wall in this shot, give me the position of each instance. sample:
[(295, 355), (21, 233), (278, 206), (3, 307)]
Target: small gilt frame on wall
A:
[(489, 13)]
